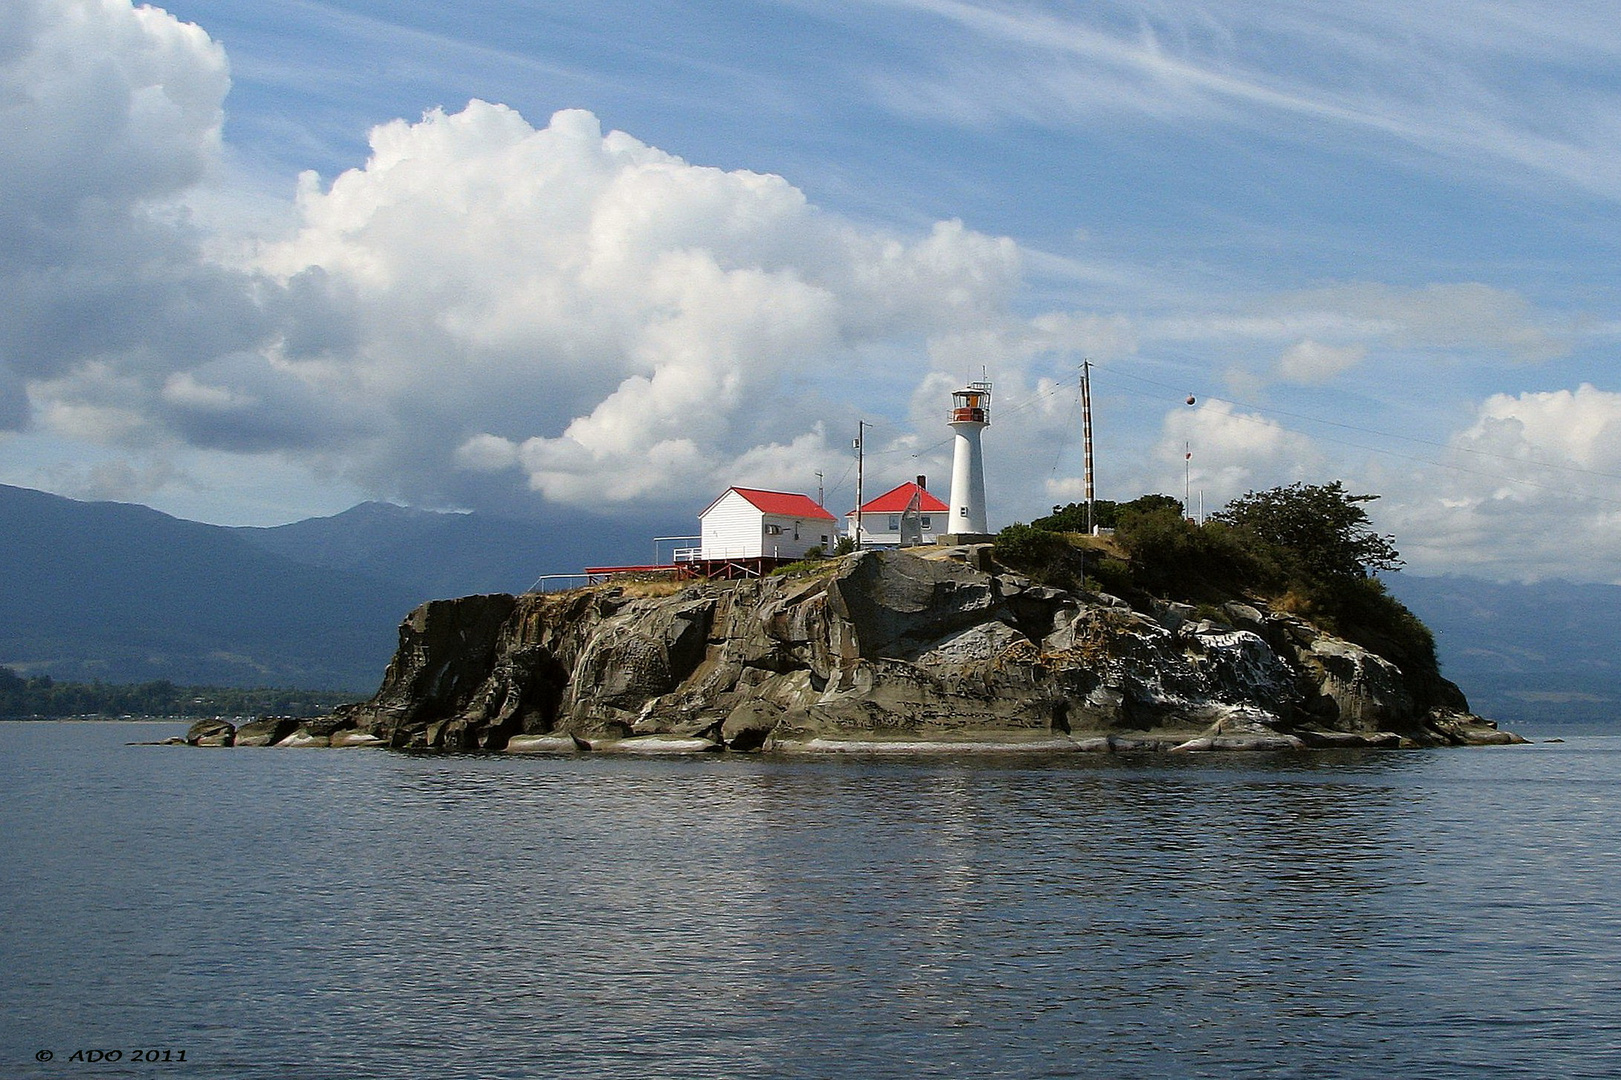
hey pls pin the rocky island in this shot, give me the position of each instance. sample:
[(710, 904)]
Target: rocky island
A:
[(880, 651)]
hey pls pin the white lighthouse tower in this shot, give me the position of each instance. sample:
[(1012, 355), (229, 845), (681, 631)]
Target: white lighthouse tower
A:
[(970, 415)]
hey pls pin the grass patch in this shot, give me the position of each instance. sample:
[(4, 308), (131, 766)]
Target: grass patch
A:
[(643, 588), (806, 568)]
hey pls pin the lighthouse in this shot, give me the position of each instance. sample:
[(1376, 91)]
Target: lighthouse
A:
[(970, 415)]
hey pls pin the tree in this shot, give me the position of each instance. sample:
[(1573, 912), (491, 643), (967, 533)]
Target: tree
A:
[(1148, 505), (1321, 526), (1071, 517), (1106, 513)]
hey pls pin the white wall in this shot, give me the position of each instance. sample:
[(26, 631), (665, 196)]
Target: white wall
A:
[(797, 536), (876, 528), (731, 529), (735, 529)]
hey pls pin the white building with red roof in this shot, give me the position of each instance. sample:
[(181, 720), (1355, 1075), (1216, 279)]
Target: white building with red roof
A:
[(748, 523), (904, 516)]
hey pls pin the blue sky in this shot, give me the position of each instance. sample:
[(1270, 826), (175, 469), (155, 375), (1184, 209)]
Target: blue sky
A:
[(1376, 241)]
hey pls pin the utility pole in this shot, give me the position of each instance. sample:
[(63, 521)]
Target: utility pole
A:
[(860, 488), (820, 497), (1086, 431)]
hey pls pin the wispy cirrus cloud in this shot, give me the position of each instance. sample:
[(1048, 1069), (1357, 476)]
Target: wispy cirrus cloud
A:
[(1441, 317), (1480, 85)]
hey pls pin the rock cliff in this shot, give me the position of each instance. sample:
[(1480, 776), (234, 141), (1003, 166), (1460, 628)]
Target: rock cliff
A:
[(883, 650)]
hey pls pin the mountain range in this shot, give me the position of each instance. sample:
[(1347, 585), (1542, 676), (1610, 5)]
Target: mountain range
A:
[(123, 593), (1542, 653)]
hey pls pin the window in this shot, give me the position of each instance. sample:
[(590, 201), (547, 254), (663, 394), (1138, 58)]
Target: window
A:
[(926, 524), (894, 523), (962, 511)]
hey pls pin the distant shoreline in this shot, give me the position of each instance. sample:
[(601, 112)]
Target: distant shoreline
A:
[(97, 719)]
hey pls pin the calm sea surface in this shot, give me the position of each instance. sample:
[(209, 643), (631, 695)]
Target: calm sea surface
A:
[(289, 914)]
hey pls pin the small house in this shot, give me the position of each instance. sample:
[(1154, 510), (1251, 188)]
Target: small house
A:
[(901, 517), (748, 523)]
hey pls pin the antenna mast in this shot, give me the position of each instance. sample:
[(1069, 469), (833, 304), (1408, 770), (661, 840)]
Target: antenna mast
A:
[(1187, 480), (1086, 431)]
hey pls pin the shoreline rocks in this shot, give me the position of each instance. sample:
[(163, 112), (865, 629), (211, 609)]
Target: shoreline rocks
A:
[(883, 652)]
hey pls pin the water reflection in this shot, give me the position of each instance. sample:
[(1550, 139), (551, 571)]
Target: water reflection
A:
[(320, 913)]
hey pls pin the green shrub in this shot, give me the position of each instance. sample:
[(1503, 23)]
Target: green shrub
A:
[(1174, 558), (1308, 549), (1045, 556), (1361, 610), (1111, 575)]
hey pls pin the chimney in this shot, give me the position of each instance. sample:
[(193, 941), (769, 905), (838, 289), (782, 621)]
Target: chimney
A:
[(923, 482)]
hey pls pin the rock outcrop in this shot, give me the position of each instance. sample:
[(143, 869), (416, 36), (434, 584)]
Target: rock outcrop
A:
[(211, 732), (884, 650)]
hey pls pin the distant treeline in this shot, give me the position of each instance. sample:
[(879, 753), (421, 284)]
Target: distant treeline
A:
[(43, 697)]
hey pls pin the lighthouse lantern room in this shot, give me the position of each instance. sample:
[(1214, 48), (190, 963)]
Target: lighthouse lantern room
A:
[(970, 415)]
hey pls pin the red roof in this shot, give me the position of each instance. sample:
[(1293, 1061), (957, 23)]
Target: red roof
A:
[(899, 501), (786, 503)]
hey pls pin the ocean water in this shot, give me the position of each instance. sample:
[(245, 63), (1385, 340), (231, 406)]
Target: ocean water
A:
[(290, 914)]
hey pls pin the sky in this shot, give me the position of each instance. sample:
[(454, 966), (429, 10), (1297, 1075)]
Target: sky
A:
[(262, 261)]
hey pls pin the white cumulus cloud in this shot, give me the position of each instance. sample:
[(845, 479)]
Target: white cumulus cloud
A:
[(612, 320), (1530, 489), (108, 115), (482, 307), (487, 312), (484, 312), (1232, 452)]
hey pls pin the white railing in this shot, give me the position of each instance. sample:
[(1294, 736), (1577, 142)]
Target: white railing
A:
[(674, 555), (699, 554), (544, 582)]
